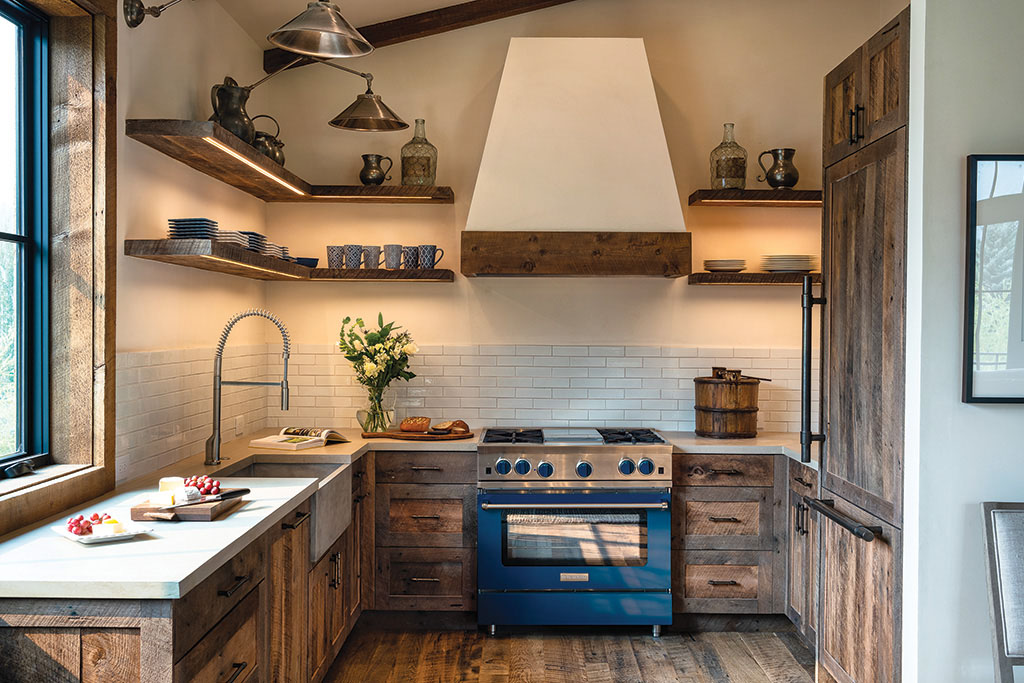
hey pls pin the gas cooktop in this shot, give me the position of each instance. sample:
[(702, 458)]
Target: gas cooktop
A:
[(572, 436)]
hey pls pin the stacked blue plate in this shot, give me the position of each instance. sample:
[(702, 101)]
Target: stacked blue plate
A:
[(257, 241), (192, 228)]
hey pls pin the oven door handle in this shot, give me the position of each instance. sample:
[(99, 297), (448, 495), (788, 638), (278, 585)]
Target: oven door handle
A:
[(663, 505)]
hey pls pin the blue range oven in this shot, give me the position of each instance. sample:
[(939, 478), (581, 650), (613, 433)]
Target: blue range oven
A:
[(574, 556)]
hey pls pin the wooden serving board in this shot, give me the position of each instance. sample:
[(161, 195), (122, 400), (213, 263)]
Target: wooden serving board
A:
[(416, 436), (203, 512)]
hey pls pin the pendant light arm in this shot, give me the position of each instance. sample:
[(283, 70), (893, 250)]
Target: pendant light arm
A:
[(274, 73), (157, 9), (367, 76)]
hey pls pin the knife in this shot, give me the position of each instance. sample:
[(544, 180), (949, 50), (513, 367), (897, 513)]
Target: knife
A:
[(227, 495)]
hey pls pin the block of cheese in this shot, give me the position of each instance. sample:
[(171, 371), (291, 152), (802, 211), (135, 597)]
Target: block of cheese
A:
[(186, 494), (171, 483), (164, 498)]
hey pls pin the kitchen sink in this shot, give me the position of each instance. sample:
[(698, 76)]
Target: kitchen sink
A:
[(331, 505)]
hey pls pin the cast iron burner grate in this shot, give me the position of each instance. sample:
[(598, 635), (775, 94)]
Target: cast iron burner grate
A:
[(630, 436), (513, 436)]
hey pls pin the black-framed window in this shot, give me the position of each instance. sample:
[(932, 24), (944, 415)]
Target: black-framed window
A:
[(24, 197)]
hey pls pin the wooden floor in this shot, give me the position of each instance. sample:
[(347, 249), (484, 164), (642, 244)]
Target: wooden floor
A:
[(376, 654)]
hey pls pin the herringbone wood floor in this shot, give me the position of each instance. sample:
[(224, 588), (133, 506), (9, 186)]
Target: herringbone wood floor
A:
[(393, 654)]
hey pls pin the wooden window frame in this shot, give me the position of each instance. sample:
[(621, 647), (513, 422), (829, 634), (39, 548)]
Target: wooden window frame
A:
[(82, 241)]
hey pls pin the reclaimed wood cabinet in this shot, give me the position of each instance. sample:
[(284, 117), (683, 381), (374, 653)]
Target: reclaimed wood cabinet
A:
[(801, 551), (867, 95), (288, 580)]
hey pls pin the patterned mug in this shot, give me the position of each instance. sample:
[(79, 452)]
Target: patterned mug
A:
[(392, 256), (430, 255), (371, 257), (336, 256), (353, 255), (410, 257)]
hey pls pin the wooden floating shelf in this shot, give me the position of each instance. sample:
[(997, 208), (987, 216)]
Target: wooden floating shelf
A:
[(750, 278), (768, 198), (208, 147), (488, 253), (222, 257), (382, 275)]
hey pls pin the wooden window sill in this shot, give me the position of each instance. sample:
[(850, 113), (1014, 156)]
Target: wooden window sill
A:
[(40, 476)]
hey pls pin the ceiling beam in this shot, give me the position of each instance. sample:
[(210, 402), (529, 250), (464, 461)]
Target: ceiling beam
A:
[(426, 24)]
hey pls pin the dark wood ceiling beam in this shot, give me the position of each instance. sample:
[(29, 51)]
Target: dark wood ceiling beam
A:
[(426, 24)]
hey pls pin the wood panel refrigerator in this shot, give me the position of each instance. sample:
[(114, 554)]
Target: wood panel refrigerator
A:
[(863, 302)]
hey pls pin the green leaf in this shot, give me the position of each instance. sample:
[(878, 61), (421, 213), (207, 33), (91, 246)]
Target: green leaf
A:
[(380, 320)]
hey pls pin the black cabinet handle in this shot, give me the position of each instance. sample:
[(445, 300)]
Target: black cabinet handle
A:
[(729, 472), (796, 517), (333, 583), (723, 519), (807, 301), (417, 579), (827, 508), (712, 582), (239, 582), (803, 482), (239, 667), (859, 116), (426, 516), (852, 115), (425, 468), (300, 517)]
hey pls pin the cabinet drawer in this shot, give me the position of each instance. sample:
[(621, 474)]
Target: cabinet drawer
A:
[(426, 515), (723, 470), (723, 518), (424, 467), (802, 479), (206, 604), (426, 579), (723, 582), (231, 649)]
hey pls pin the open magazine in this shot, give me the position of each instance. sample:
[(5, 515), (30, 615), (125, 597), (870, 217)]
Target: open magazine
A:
[(298, 438)]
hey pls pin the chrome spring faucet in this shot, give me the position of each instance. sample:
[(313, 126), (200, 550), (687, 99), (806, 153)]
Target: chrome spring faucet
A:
[(213, 443)]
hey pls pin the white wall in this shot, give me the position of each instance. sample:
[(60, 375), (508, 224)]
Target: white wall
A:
[(968, 453), (166, 67), (759, 65)]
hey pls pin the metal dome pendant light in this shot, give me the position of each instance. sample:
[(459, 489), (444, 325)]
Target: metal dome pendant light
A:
[(368, 113), (321, 32)]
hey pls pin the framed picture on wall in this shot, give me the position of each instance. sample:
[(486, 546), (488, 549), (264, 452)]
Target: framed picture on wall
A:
[(994, 303)]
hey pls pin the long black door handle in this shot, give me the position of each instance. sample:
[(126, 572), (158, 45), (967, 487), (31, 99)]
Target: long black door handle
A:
[(827, 508), (807, 437)]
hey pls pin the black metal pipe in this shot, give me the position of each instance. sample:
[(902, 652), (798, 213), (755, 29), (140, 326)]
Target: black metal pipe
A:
[(827, 508)]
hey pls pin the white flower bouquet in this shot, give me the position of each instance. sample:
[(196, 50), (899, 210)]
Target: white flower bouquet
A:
[(378, 357)]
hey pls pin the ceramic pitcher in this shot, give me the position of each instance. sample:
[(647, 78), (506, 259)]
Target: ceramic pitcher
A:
[(782, 172), (228, 99)]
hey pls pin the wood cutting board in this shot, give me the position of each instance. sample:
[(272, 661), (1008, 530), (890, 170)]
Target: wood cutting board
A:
[(416, 436), (202, 512)]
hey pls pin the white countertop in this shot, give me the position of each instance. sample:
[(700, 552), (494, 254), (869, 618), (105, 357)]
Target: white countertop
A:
[(167, 563), (177, 556)]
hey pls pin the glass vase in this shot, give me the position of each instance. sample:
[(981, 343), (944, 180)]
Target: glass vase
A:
[(379, 411), (728, 163), (419, 158)]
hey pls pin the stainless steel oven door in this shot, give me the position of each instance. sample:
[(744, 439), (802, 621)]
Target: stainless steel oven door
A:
[(574, 540)]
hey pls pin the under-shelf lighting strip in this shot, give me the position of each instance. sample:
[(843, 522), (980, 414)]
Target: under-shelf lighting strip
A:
[(246, 265), (224, 148)]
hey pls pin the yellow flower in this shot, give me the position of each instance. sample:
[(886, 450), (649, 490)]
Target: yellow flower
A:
[(370, 368), (410, 348), (357, 345)]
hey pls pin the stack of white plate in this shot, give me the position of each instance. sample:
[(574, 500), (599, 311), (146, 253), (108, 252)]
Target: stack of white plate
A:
[(724, 265), (232, 237), (789, 263)]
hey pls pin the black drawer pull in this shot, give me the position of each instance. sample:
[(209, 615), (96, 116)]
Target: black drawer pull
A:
[(438, 517), (239, 667), (417, 579), (803, 482), (723, 519), (239, 582), (827, 509), (729, 472), (712, 582), (425, 468), (853, 126), (300, 517)]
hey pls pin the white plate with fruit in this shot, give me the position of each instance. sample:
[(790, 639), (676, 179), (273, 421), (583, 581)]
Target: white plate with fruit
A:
[(99, 527)]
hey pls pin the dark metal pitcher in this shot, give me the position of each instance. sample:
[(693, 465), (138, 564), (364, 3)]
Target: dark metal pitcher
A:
[(372, 173), (228, 99), (782, 173)]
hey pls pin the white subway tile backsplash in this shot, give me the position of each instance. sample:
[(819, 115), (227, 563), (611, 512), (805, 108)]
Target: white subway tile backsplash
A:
[(164, 396)]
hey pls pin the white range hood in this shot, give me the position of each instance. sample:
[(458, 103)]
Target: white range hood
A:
[(576, 143)]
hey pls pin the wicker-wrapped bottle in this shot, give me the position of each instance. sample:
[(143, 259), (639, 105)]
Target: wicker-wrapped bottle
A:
[(419, 158), (728, 163)]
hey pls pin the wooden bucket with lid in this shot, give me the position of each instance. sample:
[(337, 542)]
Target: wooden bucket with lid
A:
[(726, 405)]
